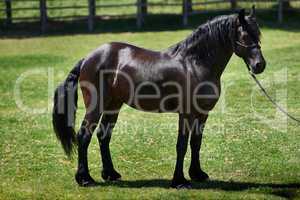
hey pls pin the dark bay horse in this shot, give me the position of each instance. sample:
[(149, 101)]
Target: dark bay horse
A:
[(183, 79)]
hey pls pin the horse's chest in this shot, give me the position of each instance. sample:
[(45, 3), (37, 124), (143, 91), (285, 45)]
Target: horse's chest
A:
[(205, 95)]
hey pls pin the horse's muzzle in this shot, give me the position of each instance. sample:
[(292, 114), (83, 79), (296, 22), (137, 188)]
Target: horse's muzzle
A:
[(258, 67)]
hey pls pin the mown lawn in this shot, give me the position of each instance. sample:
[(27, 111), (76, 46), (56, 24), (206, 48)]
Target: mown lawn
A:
[(249, 150)]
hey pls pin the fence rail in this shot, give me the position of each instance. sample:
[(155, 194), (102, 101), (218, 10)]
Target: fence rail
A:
[(188, 7)]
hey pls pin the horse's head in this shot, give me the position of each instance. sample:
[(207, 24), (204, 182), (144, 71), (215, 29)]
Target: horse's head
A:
[(247, 42)]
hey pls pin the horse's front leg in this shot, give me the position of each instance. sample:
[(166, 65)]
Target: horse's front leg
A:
[(195, 170), (182, 141)]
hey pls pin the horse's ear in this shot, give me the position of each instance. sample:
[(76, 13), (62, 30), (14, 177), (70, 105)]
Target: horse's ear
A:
[(242, 16), (253, 12)]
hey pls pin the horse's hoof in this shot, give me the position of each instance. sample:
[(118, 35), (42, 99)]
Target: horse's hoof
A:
[(85, 180), (198, 176), (181, 184), (110, 175)]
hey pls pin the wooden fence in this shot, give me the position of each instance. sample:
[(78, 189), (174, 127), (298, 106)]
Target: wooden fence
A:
[(140, 5)]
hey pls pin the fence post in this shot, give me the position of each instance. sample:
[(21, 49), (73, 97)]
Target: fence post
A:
[(92, 13), (185, 10), (233, 4), (280, 11), (8, 12), (144, 8), (189, 5), (43, 15), (139, 14)]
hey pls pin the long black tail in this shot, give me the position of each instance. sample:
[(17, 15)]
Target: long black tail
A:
[(64, 110)]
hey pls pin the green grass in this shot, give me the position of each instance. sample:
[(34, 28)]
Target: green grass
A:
[(245, 157)]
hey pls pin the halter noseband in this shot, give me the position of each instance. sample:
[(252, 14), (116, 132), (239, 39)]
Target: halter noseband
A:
[(252, 46)]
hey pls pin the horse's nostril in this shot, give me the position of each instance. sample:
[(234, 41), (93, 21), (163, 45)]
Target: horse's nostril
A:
[(258, 65)]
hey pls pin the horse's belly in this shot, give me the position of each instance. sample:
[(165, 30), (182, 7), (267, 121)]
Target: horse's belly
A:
[(154, 98), (163, 95), (176, 105), (156, 105)]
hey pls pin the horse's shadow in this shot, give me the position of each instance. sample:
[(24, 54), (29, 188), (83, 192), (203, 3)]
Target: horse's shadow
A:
[(287, 190)]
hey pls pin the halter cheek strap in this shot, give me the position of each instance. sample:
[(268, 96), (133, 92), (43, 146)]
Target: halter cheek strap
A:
[(236, 43)]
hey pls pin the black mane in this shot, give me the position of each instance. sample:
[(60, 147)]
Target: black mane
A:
[(216, 32)]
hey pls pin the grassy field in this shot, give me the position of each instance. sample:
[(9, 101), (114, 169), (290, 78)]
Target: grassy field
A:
[(249, 150)]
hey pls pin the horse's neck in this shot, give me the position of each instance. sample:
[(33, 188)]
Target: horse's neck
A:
[(215, 63), (222, 58)]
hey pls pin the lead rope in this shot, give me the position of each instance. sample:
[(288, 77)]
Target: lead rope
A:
[(272, 100)]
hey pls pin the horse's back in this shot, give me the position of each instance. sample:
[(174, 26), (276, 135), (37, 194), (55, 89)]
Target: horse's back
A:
[(109, 55)]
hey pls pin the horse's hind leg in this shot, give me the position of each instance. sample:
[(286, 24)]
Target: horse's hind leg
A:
[(90, 122), (107, 124), (84, 136)]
